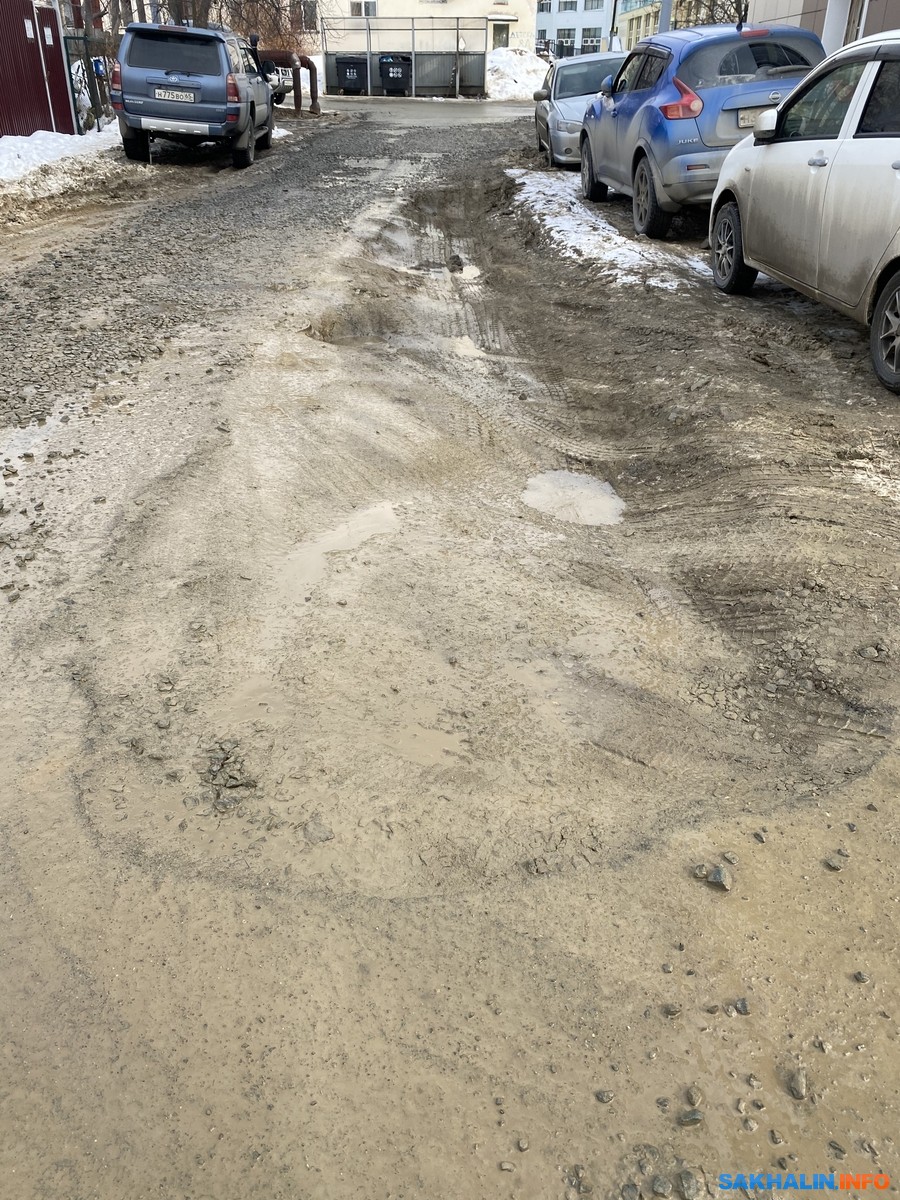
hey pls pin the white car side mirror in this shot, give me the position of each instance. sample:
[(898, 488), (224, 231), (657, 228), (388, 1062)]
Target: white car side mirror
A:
[(765, 124)]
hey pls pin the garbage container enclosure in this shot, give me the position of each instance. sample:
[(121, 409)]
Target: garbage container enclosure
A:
[(352, 73), (396, 74)]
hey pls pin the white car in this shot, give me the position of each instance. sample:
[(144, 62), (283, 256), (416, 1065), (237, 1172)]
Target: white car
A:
[(812, 196)]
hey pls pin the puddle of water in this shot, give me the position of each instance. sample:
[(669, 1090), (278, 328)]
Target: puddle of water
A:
[(464, 347), (577, 498), (305, 565), (30, 438)]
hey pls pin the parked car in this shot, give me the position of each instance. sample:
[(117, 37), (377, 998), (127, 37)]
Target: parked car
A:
[(282, 81), (560, 102), (191, 86), (811, 197), (659, 131)]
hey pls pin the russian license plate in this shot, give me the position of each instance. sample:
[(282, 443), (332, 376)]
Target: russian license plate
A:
[(746, 117), (173, 94)]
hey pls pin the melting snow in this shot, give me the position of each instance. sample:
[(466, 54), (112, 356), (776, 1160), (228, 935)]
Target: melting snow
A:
[(580, 230), (514, 74)]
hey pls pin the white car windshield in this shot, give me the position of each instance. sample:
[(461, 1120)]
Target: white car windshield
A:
[(584, 79)]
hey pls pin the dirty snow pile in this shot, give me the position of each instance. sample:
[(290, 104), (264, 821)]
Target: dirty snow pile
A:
[(514, 74), (581, 231), (21, 155)]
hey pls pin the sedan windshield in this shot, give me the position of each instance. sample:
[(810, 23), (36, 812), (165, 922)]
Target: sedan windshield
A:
[(583, 79)]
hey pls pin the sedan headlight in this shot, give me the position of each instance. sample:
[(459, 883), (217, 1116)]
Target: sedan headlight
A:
[(567, 126)]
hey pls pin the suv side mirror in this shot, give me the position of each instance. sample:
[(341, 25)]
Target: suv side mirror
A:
[(765, 125), (606, 86), (269, 68), (254, 40), (541, 94)]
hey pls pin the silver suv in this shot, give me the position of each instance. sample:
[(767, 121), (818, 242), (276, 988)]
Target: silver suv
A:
[(191, 86), (811, 197)]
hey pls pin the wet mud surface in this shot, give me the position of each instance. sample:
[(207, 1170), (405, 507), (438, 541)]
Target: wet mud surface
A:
[(384, 813)]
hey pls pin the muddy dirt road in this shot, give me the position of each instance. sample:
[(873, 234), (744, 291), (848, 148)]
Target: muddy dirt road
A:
[(354, 790)]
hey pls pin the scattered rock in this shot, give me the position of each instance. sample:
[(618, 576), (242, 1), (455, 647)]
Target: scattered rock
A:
[(861, 977), (694, 1096), (454, 264), (692, 1117), (701, 871), (671, 1010), (522, 1143), (316, 831), (731, 857), (507, 1166), (690, 1185), (837, 1149), (743, 1006), (759, 835), (750, 1126), (798, 1084), (754, 1081), (630, 1191), (660, 1186), (834, 863), (720, 877), (667, 968), (605, 1097), (776, 1138)]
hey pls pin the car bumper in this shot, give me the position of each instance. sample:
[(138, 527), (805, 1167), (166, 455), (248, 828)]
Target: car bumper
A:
[(566, 146), (174, 125), (692, 178)]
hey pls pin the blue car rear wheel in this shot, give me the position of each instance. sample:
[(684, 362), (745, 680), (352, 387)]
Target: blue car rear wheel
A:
[(649, 218), (591, 189)]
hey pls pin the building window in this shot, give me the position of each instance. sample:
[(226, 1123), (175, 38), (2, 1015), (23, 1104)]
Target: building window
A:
[(565, 35), (542, 35), (362, 8), (568, 5), (544, 6), (592, 4), (594, 34)]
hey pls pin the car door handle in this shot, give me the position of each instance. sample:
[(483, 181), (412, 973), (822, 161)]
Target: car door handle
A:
[(818, 162)]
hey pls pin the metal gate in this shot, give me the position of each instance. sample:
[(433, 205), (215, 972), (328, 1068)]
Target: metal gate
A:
[(35, 92)]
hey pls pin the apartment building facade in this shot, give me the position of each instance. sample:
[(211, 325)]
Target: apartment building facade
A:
[(568, 27)]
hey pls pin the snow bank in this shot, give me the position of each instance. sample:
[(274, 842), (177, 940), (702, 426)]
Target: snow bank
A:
[(514, 74), (580, 230), (21, 155)]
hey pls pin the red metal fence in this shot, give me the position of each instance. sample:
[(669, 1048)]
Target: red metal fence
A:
[(34, 84)]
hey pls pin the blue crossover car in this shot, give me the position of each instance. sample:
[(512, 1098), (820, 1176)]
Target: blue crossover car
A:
[(660, 130)]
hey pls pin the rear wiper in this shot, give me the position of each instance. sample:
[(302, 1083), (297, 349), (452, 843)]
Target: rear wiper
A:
[(788, 70)]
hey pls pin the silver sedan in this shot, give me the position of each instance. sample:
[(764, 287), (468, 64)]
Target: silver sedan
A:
[(570, 85)]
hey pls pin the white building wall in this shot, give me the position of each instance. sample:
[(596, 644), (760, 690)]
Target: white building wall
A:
[(550, 23)]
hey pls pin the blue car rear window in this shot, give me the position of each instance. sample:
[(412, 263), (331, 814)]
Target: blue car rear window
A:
[(723, 64), (174, 52)]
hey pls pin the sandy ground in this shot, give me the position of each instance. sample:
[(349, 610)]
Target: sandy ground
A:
[(355, 790)]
